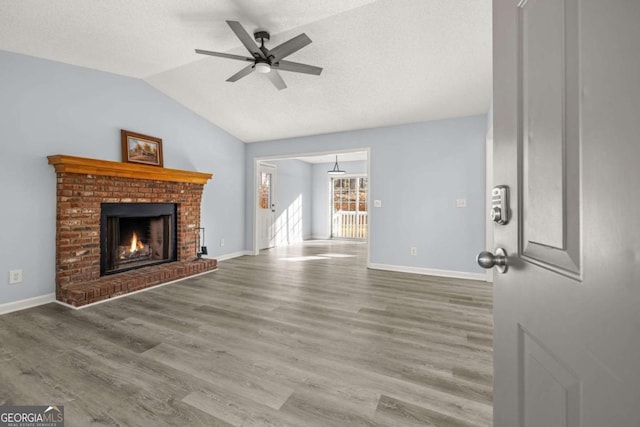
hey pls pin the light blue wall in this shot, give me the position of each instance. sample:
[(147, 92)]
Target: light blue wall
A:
[(52, 108), (293, 201), (321, 215), (49, 108), (418, 171)]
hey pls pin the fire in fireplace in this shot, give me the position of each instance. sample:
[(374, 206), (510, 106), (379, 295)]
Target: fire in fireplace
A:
[(135, 235)]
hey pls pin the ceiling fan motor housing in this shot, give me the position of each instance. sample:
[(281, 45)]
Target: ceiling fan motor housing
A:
[(260, 36)]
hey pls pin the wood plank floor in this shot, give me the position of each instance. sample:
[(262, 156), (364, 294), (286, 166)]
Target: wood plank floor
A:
[(298, 336)]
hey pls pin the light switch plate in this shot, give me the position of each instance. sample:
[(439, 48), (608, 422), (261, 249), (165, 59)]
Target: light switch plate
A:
[(377, 203), (461, 203)]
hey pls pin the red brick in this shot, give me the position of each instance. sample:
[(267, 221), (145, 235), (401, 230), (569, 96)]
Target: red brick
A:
[(78, 230)]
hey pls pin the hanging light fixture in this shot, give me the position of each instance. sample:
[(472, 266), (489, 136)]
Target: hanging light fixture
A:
[(336, 169)]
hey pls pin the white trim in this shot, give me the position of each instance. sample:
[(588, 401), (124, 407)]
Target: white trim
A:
[(10, 307), (232, 255), (254, 203), (429, 271), (489, 186), (320, 238), (369, 206), (133, 292), (329, 195), (271, 165), (312, 154)]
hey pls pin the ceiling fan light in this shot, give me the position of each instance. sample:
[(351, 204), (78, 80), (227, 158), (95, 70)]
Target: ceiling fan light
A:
[(263, 67)]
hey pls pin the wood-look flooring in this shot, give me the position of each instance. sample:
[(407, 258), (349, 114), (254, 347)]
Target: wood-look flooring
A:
[(298, 336)]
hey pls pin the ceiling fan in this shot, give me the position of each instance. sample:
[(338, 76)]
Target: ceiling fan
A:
[(266, 61)]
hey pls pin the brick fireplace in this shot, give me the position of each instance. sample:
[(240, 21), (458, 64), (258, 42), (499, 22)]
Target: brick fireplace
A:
[(84, 188)]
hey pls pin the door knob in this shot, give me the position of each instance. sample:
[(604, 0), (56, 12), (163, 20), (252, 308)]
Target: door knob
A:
[(486, 259)]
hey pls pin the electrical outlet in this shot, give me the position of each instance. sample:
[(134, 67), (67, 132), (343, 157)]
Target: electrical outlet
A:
[(221, 242), (15, 277), (414, 251)]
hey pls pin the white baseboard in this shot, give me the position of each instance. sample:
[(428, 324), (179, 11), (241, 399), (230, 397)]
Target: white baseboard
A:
[(319, 238), (232, 255), (27, 303), (429, 271)]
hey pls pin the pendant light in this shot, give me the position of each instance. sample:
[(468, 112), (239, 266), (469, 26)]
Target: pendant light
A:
[(336, 169)]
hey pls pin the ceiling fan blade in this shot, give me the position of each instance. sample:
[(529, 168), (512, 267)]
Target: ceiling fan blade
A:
[(224, 55), (276, 79), (246, 39), (297, 67), (289, 47), (240, 74)]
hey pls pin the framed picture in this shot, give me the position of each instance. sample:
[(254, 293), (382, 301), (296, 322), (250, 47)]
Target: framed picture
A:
[(139, 148)]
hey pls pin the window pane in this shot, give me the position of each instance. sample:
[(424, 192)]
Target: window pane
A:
[(265, 190)]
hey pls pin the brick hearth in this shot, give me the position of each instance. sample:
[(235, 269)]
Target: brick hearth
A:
[(82, 185)]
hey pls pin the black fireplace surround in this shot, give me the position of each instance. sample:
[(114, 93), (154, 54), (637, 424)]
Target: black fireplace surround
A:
[(136, 235)]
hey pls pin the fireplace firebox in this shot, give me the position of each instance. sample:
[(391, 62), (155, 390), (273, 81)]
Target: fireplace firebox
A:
[(136, 235)]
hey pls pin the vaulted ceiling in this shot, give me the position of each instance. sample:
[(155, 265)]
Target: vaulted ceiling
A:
[(385, 62)]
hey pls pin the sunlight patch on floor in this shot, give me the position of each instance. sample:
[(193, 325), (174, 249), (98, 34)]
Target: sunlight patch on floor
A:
[(315, 257), (337, 255), (300, 258)]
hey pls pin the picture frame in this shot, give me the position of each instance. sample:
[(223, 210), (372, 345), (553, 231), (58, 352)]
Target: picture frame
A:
[(139, 148)]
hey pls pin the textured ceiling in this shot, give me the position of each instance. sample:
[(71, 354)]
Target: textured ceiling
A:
[(386, 62)]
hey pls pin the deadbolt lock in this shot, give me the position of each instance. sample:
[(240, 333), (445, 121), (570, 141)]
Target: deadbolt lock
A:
[(500, 204)]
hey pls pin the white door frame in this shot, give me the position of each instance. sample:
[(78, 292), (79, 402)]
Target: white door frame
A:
[(258, 160), (489, 185), (346, 175)]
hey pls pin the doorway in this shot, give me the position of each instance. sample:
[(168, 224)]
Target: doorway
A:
[(316, 224), (349, 216)]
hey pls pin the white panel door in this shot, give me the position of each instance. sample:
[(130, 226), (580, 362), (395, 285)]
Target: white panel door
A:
[(567, 144), (266, 206)]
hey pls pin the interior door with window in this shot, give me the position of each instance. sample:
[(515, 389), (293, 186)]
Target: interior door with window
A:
[(266, 206), (567, 146)]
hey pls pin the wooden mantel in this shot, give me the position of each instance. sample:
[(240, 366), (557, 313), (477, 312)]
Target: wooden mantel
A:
[(81, 165)]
